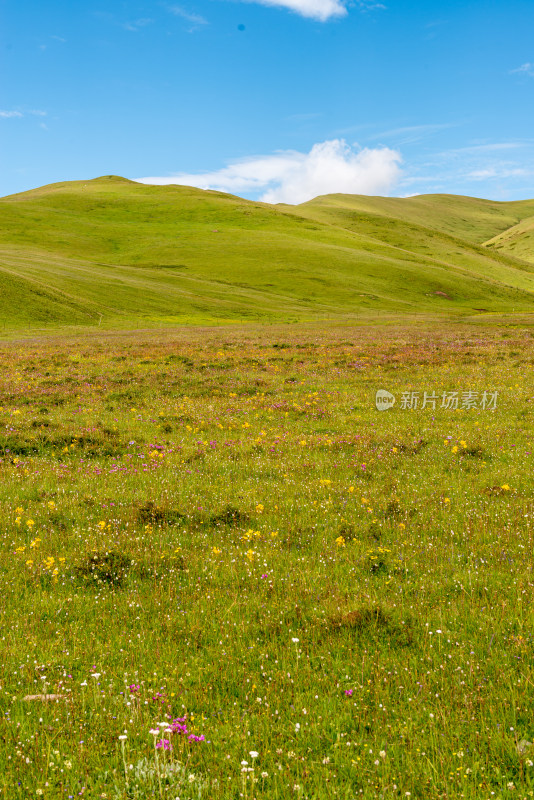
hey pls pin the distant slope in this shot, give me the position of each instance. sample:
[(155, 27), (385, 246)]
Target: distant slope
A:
[(517, 241), (423, 225), (467, 218), (130, 253)]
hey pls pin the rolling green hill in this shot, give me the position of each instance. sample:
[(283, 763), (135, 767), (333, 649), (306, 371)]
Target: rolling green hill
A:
[(467, 218), (517, 240), (128, 254)]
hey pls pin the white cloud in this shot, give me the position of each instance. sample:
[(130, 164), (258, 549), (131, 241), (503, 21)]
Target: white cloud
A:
[(370, 5), (526, 69), (498, 171), (20, 114), (492, 169), (321, 10), (196, 19), (293, 177), (485, 148), (137, 24), (413, 133)]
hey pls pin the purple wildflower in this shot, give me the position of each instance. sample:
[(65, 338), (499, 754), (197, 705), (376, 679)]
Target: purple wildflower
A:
[(164, 744)]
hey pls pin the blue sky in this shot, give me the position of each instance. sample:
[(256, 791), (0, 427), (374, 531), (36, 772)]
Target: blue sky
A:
[(281, 101)]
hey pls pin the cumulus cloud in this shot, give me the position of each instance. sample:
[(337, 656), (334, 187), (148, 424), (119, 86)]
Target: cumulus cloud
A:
[(321, 10), (293, 177)]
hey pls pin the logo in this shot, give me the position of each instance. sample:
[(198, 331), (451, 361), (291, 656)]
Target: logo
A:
[(384, 400), (452, 401)]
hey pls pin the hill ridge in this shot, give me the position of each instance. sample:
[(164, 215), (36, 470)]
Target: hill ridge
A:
[(120, 250)]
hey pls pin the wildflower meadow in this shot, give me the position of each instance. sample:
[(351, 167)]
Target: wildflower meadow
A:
[(226, 573)]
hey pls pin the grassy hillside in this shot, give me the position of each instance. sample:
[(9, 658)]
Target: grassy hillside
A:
[(125, 253), (467, 218), (517, 241)]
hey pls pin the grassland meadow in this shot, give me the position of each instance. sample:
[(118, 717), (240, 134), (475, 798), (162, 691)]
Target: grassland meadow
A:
[(226, 574)]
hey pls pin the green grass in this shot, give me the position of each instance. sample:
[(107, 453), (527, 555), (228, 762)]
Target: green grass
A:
[(216, 524), (517, 240), (469, 219), (121, 254)]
